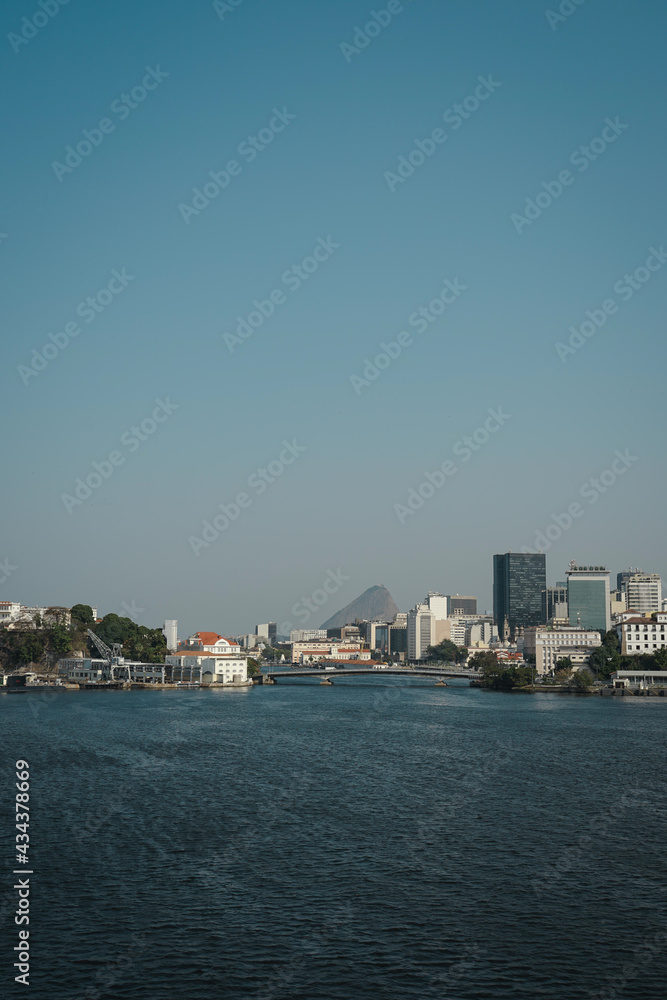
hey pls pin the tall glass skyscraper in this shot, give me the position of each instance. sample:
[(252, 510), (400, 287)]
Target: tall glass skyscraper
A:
[(518, 581), (588, 597)]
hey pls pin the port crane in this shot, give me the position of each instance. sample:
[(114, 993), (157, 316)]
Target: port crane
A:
[(115, 669)]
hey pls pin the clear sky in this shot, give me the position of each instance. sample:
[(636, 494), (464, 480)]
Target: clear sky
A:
[(331, 123)]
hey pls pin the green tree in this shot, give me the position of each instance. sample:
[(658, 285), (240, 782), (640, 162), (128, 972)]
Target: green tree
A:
[(564, 663), (447, 651), (582, 679), (485, 659), (28, 649), (253, 667), (660, 659), (82, 616), (60, 641)]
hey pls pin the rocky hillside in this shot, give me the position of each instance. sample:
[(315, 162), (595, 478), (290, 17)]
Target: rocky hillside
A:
[(376, 603)]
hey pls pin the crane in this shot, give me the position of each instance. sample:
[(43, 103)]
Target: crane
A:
[(115, 668)]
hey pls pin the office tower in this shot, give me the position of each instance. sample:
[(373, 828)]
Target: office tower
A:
[(267, 631), (458, 606), (170, 632), (554, 602), (421, 631), (437, 603), (518, 581), (622, 578), (588, 597), (643, 593)]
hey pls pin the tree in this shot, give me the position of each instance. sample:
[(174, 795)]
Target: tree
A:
[(660, 659), (448, 651), (582, 680), (485, 659), (564, 663), (82, 616), (59, 640), (607, 657), (253, 667), (501, 677)]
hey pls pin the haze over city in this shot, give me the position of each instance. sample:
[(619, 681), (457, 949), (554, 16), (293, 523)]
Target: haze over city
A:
[(318, 132)]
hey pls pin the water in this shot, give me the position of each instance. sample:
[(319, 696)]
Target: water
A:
[(374, 839)]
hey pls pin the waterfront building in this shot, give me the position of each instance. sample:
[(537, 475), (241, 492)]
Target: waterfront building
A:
[(518, 581), (458, 606), (639, 680), (421, 631), (643, 593), (548, 644), (588, 597), (554, 603), (207, 658), (170, 632), (642, 635)]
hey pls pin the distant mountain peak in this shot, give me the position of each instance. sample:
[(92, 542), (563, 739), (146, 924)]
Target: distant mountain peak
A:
[(376, 603)]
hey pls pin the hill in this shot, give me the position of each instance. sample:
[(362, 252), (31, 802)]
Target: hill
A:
[(374, 603)]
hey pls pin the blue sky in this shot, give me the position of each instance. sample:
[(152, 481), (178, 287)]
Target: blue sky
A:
[(322, 177)]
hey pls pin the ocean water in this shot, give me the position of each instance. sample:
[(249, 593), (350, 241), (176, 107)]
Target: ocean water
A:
[(375, 839)]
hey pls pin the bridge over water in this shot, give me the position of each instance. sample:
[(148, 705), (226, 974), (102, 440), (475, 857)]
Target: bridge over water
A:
[(434, 673)]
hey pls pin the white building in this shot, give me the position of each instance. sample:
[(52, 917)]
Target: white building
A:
[(9, 611), (421, 631), (643, 593), (437, 603), (550, 643), (480, 634), (307, 634), (207, 658), (170, 631), (642, 635)]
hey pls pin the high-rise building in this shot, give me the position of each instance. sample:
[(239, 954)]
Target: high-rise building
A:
[(518, 581), (307, 634), (588, 597), (267, 631), (622, 578), (437, 603), (170, 632), (421, 631), (458, 606), (554, 602), (643, 593)]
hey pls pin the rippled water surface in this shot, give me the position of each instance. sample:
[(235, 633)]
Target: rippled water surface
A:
[(374, 839)]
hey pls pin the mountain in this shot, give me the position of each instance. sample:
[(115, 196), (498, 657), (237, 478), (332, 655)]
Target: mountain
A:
[(376, 603)]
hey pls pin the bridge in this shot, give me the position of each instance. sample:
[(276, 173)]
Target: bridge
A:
[(435, 673)]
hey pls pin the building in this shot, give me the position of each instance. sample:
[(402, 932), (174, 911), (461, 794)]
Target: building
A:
[(617, 604), (458, 606), (267, 632), (170, 632), (643, 593), (84, 670), (639, 680), (438, 604), (9, 611), (207, 658), (588, 597), (518, 581), (343, 632), (479, 635), (421, 631), (307, 634), (548, 644), (554, 603), (376, 635), (622, 578), (642, 635), (453, 629)]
